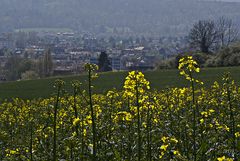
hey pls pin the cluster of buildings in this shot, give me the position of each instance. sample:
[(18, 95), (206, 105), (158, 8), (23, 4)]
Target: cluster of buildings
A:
[(71, 51), (72, 61)]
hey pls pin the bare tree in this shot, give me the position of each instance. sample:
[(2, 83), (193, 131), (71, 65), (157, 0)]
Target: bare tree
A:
[(203, 36), (228, 32)]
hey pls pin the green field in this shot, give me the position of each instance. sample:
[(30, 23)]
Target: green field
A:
[(159, 80)]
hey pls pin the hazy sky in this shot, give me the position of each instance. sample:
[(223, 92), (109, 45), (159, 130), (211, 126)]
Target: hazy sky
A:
[(226, 0), (230, 0)]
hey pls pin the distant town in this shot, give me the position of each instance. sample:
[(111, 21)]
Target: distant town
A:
[(70, 51)]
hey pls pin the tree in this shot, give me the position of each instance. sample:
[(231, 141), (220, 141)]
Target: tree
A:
[(203, 36), (28, 75), (104, 63), (12, 68), (227, 31), (21, 40), (112, 42), (47, 63), (16, 65)]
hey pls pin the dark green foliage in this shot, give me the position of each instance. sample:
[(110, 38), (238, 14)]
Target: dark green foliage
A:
[(229, 56), (47, 64), (15, 66), (172, 63), (104, 63)]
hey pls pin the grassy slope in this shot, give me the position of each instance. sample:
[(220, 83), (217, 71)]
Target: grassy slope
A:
[(106, 81)]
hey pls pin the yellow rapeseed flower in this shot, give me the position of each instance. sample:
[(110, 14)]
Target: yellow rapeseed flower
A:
[(164, 147), (187, 66), (237, 134), (76, 121), (223, 158)]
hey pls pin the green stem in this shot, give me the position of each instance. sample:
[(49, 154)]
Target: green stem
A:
[(82, 140), (138, 121), (232, 119), (149, 137), (55, 125), (92, 113), (129, 135), (75, 108), (194, 118), (31, 143)]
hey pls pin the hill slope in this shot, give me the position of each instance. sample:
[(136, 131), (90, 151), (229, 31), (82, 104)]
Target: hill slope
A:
[(106, 81), (132, 16)]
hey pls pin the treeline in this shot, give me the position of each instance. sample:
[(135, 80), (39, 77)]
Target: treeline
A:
[(211, 43), (23, 68)]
